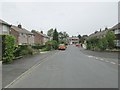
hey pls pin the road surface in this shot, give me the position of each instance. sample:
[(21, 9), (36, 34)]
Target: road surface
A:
[(70, 69), (0, 75)]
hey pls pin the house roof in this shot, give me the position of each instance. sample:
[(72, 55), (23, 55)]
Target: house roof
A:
[(98, 33), (44, 35), (3, 22), (73, 38), (117, 26), (21, 30)]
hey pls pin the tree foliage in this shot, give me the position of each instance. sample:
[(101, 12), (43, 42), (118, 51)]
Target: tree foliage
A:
[(103, 43), (51, 45), (82, 38), (55, 35), (50, 32), (110, 37), (63, 37), (8, 46), (79, 36)]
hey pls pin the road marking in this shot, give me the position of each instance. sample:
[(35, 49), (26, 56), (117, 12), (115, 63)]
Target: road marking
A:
[(112, 62), (30, 70), (90, 56), (44, 52), (96, 58), (106, 61), (101, 59)]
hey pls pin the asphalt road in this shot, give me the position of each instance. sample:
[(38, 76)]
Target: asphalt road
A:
[(70, 69), (12, 71), (0, 75)]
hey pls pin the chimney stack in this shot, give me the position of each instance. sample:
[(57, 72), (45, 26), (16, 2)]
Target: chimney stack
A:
[(100, 30), (42, 32), (19, 26)]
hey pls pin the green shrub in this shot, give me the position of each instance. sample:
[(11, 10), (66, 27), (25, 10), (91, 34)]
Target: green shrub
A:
[(8, 47), (110, 37), (38, 46), (30, 50), (48, 45), (22, 50), (17, 51), (51, 45), (103, 43), (54, 44), (45, 49)]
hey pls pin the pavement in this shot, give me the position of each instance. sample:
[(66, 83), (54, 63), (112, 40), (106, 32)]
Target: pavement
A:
[(12, 71), (0, 75), (111, 57), (70, 69)]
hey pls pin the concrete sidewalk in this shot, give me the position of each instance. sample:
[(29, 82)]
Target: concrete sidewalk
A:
[(112, 55), (11, 71), (0, 75)]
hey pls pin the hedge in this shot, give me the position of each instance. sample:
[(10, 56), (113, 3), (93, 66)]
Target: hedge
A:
[(8, 46)]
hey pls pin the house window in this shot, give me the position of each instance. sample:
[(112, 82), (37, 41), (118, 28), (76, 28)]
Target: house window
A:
[(25, 35), (30, 35), (117, 31), (21, 34), (5, 28), (118, 42)]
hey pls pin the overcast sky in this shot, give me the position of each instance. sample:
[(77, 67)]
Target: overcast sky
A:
[(72, 17)]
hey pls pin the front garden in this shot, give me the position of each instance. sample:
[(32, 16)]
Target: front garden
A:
[(105, 43), (10, 51)]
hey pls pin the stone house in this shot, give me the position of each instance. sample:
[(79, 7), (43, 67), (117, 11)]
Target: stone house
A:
[(73, 40), (45, 38), (4, 27), (40, 38), (22, 35), (116, 30)]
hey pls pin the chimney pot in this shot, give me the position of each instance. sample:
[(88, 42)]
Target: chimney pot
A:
[(19, 26), (42, 32)]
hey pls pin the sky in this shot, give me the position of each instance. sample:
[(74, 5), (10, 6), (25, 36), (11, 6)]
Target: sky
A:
[(73, 17)]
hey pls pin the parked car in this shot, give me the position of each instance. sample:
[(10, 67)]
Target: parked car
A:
[(61, 47), (77, 45)]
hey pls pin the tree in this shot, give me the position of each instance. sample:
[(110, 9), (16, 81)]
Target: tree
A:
[(61, 36), (103, 43), (8, 46), (79, 36), (55, 35), (50, 32), (110, 36), (33, 31), (65, 34)]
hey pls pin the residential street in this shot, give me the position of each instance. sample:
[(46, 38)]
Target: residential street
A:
[(20, 66), (0, 75), (71, 69)]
